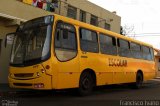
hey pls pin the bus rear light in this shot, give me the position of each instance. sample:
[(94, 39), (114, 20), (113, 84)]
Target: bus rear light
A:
[(39, 85)]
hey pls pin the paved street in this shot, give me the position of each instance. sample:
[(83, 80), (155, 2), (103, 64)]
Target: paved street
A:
[(108, 95)]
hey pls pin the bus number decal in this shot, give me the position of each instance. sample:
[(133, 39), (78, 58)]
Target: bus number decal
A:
[(117, 62)]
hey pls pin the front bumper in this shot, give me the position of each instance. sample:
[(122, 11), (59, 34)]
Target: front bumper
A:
[(42, 83)]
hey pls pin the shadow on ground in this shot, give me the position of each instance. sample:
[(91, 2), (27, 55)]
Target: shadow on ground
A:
[(72, 93)]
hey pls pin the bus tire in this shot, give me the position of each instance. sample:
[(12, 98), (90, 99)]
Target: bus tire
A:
[(86, 84), (139, 81)]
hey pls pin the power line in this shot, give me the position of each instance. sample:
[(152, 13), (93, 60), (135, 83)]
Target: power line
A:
[(143, 33), (144, 36)]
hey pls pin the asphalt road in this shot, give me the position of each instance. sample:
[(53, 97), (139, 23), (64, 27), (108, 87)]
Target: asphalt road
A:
[(113, 95)]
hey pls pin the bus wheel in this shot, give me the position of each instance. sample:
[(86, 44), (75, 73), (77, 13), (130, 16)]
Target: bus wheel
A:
[(86, 84), (139, 81)]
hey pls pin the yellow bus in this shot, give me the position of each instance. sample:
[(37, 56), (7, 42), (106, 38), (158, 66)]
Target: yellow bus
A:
[(56, 52)]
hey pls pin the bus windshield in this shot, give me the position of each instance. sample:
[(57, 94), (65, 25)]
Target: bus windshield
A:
[(32, 42)]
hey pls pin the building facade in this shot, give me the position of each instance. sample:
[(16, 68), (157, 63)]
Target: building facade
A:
[(90, 13), (157, 61), (14, 12)]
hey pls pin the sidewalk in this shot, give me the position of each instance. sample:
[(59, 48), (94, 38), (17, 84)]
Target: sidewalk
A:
[(4, 88), (7, 92)]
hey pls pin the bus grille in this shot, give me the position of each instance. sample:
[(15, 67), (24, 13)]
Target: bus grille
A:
[(22, 75), (22, 84)]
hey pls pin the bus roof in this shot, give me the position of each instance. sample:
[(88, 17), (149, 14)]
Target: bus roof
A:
[(98, 29)]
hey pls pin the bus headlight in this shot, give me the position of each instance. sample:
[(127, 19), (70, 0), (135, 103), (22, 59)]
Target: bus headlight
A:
[(38, 74), (42, 70)]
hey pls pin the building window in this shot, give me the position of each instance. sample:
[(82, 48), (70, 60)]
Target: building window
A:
[(107, 26), (72, 12), (94, 20), (82, 16)]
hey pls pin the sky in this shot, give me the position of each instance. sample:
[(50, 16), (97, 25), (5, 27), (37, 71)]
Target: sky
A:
[(144, 15)]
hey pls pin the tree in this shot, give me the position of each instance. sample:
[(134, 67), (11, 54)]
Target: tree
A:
[(127, 30)]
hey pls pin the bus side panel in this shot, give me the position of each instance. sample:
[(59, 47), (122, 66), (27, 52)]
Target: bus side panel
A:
[(133, 65), (68, 80), (149, 70), (104, 72), (67, 74), (116, 69)]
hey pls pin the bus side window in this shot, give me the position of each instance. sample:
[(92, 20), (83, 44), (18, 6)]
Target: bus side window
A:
[(152, 54), (58, 35), (58, 38), (65, 42), (136, 50), (124, 48), (88, 40), (65, 34), (147, 55), (108, 44)]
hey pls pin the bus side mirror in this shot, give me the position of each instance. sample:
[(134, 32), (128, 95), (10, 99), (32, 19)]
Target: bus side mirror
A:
[(9, 39)]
